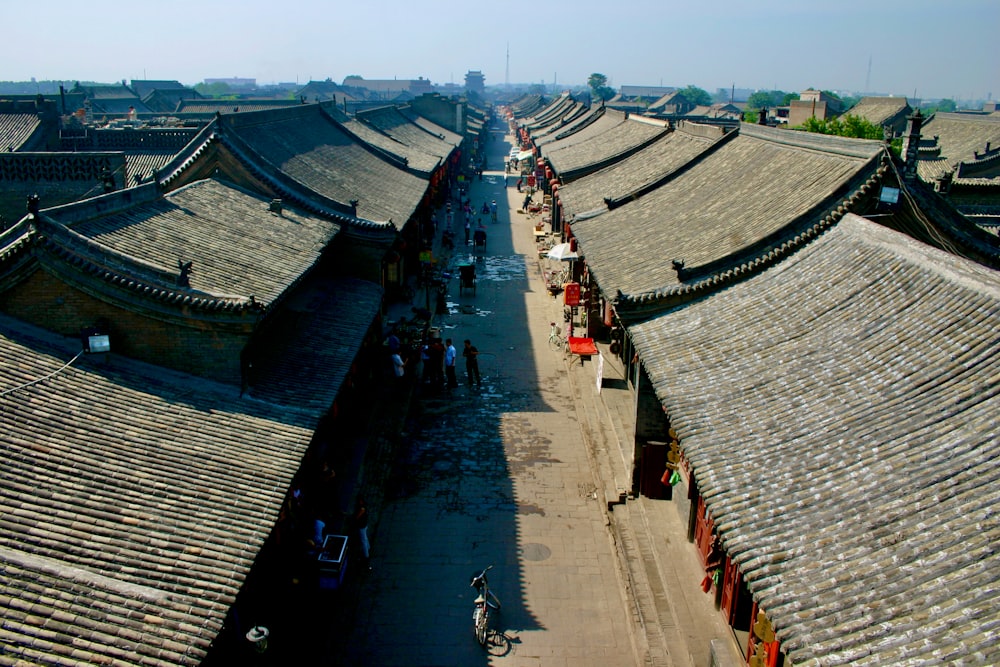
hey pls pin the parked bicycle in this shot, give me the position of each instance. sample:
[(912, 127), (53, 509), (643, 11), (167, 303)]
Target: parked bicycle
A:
[(557, 341), (485, 600)]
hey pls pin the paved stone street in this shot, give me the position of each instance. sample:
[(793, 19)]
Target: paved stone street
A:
[(500, 475)]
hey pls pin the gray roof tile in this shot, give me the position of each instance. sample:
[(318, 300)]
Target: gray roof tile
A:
[(133, 502), (313, 342), (660, 158), (238, 247), (840, 415), (598, 144), (307, 145), (772, 178), (16, 129)]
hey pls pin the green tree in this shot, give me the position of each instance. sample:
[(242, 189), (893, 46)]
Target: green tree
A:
[(944, 105), (845, 126), (696, 95), (217, 90), (599, 86), (759, 100), (770, 99)]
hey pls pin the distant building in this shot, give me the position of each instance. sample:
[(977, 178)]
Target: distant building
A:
[(812, 103), (672, 104), (649, 92), (475, 82), (883, 111), (234, 82), (389, 89)]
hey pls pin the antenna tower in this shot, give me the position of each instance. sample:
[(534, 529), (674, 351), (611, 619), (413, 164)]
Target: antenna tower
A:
[(506, 74), (868, 79)]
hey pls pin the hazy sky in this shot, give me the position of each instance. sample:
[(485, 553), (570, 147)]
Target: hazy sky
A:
[(936, 48)]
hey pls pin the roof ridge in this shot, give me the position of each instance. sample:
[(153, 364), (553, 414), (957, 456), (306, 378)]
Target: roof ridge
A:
[(646, 302)]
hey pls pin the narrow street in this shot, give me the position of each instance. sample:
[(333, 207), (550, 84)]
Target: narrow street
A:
[(497, 474)]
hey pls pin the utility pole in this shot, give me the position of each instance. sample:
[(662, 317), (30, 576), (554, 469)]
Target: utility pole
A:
[(868, 79)]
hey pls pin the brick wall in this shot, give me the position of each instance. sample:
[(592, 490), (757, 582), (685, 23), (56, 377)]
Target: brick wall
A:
[(206, 349)]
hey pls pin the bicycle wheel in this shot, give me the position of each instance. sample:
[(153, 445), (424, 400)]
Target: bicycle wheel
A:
[(479, 622)]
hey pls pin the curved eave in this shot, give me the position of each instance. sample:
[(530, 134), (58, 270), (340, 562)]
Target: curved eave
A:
[(110, 276)]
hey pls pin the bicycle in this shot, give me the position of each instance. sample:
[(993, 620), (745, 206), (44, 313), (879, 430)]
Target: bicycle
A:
[(557, 341), (485, 600)]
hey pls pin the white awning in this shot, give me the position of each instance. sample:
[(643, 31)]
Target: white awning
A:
[(524, 155)]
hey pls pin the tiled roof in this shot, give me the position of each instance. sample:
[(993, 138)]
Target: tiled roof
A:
[(203, 106), (450, 138), (143, 164), (960, 136), (840, 415), (879, 110), (662, 157), (307, 145), (133, 502), (422, 151), (527, 105), (237, 246), (595, 122), (392, 122), (551, 114), (143, 87), (561, 122), (593, 146), (16, 129), (313, 342), (748, 189)]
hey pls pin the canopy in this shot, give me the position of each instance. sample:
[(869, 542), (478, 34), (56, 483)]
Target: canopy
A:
[(583, 346), (524, 155), (562, 252)]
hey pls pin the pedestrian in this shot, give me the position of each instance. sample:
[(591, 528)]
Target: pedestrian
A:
[(527, 200), (450, 355), (519, 182), (493, 210), (398, 367), (471, 355), (360, 520), (425, 362), (436, 353), (468, 230)]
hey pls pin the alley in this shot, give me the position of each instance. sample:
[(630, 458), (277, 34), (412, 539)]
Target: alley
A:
[(496, 474)]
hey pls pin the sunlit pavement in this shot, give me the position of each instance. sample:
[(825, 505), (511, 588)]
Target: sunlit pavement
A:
[(493, 474)]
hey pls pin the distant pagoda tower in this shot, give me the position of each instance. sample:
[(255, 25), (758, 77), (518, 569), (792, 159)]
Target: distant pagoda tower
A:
[(475, 82)]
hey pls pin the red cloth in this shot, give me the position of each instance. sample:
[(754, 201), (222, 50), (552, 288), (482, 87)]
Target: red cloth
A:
[(582, 345)]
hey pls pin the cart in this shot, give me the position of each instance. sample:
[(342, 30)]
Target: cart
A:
[(467, 278)]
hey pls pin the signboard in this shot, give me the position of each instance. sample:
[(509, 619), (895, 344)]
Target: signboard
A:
[(600, 372), (571, 294)]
